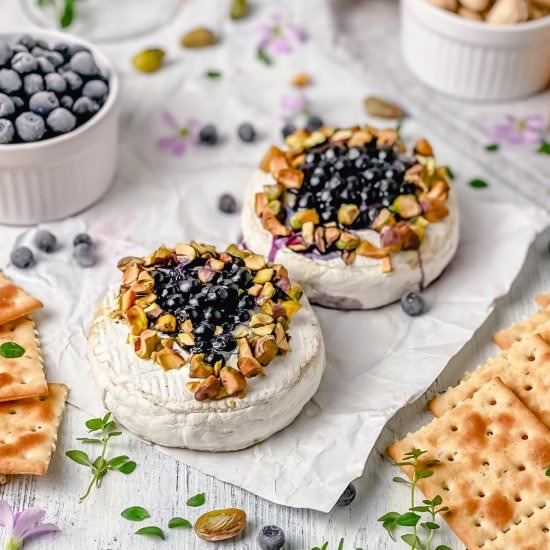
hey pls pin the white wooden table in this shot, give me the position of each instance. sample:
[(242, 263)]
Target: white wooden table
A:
[(162, 485)]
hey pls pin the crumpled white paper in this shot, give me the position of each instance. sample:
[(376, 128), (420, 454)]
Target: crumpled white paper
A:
[(377, 360)]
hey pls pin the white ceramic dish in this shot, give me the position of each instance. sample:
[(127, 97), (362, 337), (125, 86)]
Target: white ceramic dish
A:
[(473, 59), (58, 177)]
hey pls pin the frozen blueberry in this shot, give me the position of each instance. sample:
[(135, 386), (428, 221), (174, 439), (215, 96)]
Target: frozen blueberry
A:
[(288, 129), (37, 51), (63, 49), (61, 120), (45, 65), (45, 240), (348, 496), (55, 58), (10, 81), (27, 41), (82, 238), (73, 80), (42, 103), (271, 537), (6, 131), (313, 123), (16, 48), (7, 107), (227, 203), (33, 83), (5, 53), (24, 62), (85, 107), (30, 126), (83, 63), (55, 83), (75, 48), (22, 257), (208, 135), (246, 132), (83, 253), (413, 304), (95, 89), (18, 102), (66, 101)]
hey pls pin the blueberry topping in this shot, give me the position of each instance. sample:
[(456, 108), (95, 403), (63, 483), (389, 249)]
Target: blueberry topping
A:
[(24, 62), (348, 496), (30, 126), (73, 80), (413, 304), (246, 132), (82, 238), (22, 257), (55, 83), (313, 123), (33, 83), (45, 240), (42, 103), (66, 101), (61, 120), (288, 129), (10, 81), (85, 107), (83, 63), (208, 135), (45, 65), (83, 253), (6, 131), (7, 107), (271, 537), (95, 89), (55, 58), (227, 203)]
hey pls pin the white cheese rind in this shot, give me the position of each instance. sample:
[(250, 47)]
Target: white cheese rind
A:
[(361, 285), (156, 405)]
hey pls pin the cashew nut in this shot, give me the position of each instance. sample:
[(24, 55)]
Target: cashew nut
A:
[(475, 5), (508, 11), (450, 5), (469, 14)]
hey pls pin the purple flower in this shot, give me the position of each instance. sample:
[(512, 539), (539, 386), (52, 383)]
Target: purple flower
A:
[(294, 105), (23, 526), (276, 37), (180, 137), (519, 130)]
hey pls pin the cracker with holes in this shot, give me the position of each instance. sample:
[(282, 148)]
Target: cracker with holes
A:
[(15, 302), (493, 452), (524, 368), (21, 366), (28, 431)]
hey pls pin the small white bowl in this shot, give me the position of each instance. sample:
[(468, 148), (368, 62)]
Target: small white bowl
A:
[(55, 178), (473, 59)]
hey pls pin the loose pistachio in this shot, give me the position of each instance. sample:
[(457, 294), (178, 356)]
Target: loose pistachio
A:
[(148, 61)]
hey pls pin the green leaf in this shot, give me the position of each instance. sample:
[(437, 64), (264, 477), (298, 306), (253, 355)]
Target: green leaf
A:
[(389, 516), (94, 424), (408, 519), (67, 15), (325, 546), (450, 173), (151, 531), (90, 440), (390, 527), (127, 468), (420, 509), (423, 474), (135, 513), (341, 545), (492, 147), (442, 509), (430, 525), (179, 522), (478, 183), (110, 426), (437, 500), (117, 461), (544, 148), (11, 350), (547, 473), (411, 540), (114, 434), (263, 57), (401, 480), (106, 418), (443, 547), (213, 74), (80, 457), (197, 500)]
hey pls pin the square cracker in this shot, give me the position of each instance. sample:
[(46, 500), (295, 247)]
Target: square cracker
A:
[(28, 431), (15, 302), (23, 376), (524, 368), (493, 452)]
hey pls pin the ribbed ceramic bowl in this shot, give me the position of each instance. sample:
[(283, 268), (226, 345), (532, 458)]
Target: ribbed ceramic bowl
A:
[(52, 179), (473, 59)]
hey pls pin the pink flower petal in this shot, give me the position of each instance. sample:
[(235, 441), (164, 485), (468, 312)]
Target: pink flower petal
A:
[(280, 45), (500, 131), (193, 122), (512, 120), (40, 530), (535, 122), (6, 515), (27, 521), (531, 136), (169, 120), (166, 143), (178, 148), (514, 137), (296, 33)]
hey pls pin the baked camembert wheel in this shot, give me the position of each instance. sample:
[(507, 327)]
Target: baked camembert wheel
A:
[(356, 220), (205, 350)]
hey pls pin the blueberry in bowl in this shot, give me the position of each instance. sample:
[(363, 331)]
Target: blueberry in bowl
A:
[(356, 216), (58, 125), (220, 347)]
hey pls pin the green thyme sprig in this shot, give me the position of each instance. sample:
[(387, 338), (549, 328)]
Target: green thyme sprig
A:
[(102, 430), (412, 518), (66, 13), (325, 546)]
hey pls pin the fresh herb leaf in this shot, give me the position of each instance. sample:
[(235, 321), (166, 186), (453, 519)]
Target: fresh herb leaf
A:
[(197, 500), (261, 54), (424, 473), (127, 468), (408, 519), (80, 457), (213, 74), (478, 183), (412, 540), (547, 473), (94, 424), (151, 531), (443, 547), (341, 545), (401, 480), (544, 148), (117, 461), (179, 522), (67, 15), (450, 173), (492, 147), (135, 513), (11, 350)]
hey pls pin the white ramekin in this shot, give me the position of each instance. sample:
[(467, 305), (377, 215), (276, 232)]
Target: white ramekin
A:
[(473, 59), (51, 179)]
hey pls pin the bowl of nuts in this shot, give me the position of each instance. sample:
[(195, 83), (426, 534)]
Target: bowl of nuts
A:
[(58, 126), (478, 49)]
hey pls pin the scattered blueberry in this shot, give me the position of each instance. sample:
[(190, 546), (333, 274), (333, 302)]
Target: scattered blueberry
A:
[(6, 131), (208, 135), (246, 132), (33, 83), (95, 89), (24, 62), (10, 81), (348, 496), (55, 83), (83, 253), (73, 80), (45, 240), (82, 238), (22, 257), (83, 63), (5, 53), (61, 120), (413, 304), (66, 101), (288, 129), (7, 107), (227, 203), (45, 65), (30, 126), (43, 102), (313, 123), (271, 537)]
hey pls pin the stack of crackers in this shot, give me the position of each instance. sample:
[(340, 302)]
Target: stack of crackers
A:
[(30, 408), (492, 440)]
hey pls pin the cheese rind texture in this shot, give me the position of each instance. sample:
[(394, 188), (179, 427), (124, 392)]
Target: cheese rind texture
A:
[(155, 404), (361, 285)]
